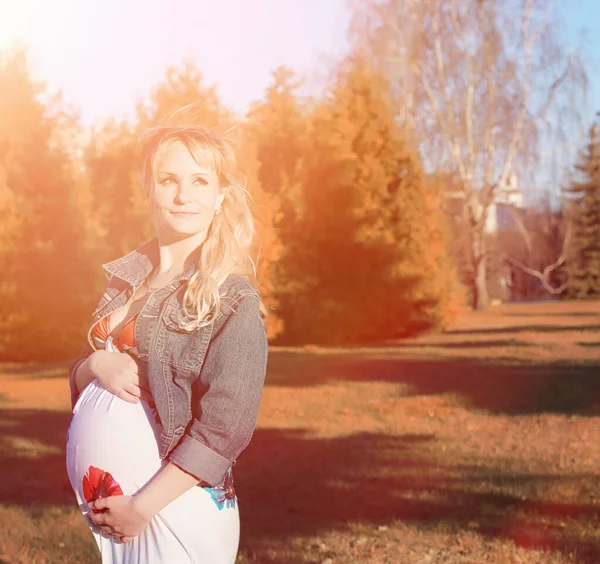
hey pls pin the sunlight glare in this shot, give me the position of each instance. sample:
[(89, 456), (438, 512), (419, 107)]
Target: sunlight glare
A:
[(27, 21)]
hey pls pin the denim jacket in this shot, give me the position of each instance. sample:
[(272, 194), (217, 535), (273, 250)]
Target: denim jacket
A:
[(206, 384)]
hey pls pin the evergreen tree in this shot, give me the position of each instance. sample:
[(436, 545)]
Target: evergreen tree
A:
[(112, 166), (583, 203), (374, 241), (278, 128), (268, 248), (44, 263)]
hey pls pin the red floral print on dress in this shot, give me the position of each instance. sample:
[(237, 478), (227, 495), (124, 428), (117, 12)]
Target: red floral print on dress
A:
[(98, 484)]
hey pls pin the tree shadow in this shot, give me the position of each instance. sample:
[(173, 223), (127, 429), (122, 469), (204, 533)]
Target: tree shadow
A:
[(33, 370), (550, 314), (524, 329), (291, 485), (463, 344), (490, 384), (34, 472)]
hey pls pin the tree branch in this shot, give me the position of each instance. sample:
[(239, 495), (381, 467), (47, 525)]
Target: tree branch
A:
[(544, 275)]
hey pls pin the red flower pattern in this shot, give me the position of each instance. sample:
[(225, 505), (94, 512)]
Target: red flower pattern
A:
[(98, 484)]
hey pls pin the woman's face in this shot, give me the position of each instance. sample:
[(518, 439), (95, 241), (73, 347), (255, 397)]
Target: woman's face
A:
[(185, 194)]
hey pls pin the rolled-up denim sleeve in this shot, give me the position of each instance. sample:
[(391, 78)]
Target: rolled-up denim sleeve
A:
[(226, 397)]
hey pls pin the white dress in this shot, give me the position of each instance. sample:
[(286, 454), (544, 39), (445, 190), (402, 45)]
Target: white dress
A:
[(112, 449)]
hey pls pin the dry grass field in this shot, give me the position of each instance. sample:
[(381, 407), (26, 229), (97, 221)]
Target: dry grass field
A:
[(481, 444)]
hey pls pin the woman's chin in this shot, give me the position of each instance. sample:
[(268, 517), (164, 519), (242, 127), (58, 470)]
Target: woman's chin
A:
[(180, 230)]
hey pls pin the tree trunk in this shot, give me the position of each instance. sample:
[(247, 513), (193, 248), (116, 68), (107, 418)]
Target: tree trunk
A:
[(481, 298)]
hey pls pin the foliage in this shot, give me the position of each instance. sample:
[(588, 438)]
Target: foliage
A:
[(583, 201), (351, 238), (44, 263), (484, 87), (371, 251)]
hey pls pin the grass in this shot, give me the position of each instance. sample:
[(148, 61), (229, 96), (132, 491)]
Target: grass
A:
[(476, 445)]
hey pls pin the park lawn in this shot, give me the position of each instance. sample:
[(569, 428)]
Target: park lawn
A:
[(481, 444)]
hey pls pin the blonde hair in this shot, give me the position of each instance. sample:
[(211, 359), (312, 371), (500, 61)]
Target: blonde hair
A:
[(229, 241)]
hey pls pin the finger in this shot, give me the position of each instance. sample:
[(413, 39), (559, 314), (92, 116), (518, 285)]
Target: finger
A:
[(132, 389), (138, 391), (126, 396), (108, 531), (126, 539), (100, 503), (98, 519)]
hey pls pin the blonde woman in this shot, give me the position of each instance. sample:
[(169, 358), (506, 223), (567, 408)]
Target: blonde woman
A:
[(166, 391)]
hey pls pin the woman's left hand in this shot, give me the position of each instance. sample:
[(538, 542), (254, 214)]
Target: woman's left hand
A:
[(120, 517)]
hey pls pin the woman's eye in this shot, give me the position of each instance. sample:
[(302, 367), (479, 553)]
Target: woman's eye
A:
[(166, 181), (200, 181)]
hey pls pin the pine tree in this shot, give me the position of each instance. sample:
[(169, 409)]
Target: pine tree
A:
[(375, 247), (112, 165), (268, 248), (583, 204), (45, 267), (278, 127)]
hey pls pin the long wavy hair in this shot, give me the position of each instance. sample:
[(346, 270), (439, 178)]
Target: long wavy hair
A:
[(230, 240)]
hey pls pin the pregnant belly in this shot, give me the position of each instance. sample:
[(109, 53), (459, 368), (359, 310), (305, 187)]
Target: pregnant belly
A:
[(108, 435)]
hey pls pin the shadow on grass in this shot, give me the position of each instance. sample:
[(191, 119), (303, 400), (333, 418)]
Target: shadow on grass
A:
[(462, 344), (489, 384), (293, 485), (30, 477), (524, 329), (550, 314), (33, 370)]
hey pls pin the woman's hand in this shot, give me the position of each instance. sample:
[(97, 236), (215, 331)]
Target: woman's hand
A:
[(118, 373), (119, 516)]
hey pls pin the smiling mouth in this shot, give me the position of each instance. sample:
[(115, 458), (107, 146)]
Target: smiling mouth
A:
[(184, 214)]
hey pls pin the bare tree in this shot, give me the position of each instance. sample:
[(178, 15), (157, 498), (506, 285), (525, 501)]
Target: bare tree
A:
[(477, 82), (547, 237)]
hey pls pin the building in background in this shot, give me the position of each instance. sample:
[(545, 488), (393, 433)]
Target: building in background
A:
[(506, 209)]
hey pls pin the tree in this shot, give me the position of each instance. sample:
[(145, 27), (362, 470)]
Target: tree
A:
[(268, 252), (278, 128), (474, 82), (583, 205), (183, 87), (44, 265), (112, 169), (374, 256)]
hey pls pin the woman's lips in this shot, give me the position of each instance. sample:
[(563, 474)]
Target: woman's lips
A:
[(184, 214)]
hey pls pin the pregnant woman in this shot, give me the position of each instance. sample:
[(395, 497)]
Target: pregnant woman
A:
[(166, 391)]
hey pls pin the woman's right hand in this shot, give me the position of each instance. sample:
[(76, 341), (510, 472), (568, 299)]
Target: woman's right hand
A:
[(118, 373)]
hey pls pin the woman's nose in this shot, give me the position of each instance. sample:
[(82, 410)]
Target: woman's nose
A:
[(183, 193)]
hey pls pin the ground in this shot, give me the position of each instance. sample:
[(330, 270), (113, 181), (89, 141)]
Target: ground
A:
[(481, 444)]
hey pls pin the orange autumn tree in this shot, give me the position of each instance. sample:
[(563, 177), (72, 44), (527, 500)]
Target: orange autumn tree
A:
[(112, 172), (375, 259), (264, 207), (43, 261), (278, 128)]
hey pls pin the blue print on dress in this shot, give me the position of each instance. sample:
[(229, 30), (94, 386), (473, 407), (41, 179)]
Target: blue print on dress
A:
[(223, 494)]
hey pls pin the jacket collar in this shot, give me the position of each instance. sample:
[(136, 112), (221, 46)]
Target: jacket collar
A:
[(134, 267)]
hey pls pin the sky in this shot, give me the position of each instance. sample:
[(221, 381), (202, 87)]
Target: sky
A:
[(106, 54)]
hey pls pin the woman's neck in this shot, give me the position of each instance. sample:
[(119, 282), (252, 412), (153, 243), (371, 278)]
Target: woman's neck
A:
[(176, 255)]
